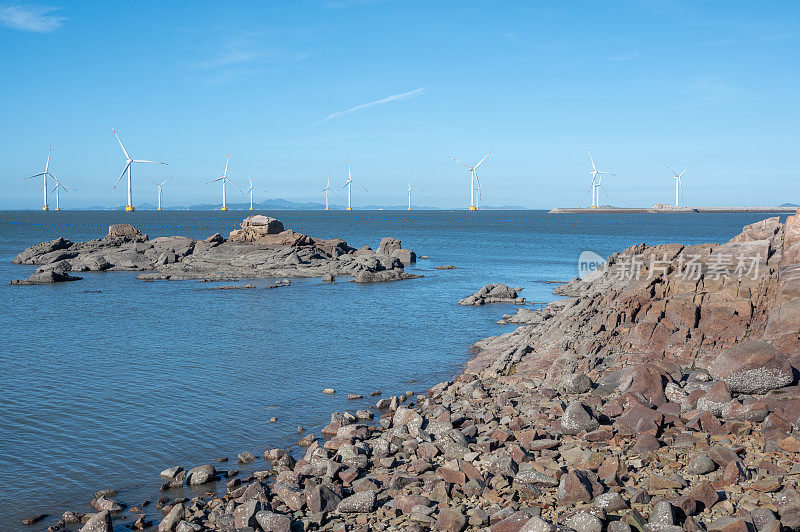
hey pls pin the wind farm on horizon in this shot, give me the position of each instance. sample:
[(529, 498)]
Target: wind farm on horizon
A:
[(475, 187)]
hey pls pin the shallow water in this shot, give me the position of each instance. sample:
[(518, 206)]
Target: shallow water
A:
[(107, 381)]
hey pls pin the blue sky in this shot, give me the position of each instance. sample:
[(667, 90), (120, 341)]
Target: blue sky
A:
[(293, 90)]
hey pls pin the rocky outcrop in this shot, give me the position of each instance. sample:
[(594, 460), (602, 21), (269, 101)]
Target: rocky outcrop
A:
[(493, 293), (261, 248)]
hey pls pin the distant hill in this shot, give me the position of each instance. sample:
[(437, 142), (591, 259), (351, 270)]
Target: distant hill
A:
[(287, 205), (793, 205)]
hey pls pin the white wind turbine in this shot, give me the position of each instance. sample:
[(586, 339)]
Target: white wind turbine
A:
[(326, 190), (224, 180), (349, 185), (158, 186), (410, 190), (597, 178), (251, 189), (128, 164), (678, 182), (56, 190), (44, 175), (473, 179)]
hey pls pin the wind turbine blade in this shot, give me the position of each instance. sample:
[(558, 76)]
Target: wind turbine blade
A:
[(462, 162), (249, 178), (481, 161), (31, 177), (127, 157), (143, 161), (121, 176), (362, 186), (340, 188), (164, 182), (156, 184), (234, 184), (227, 159), (590, 158), (681, 174), (214, 180), (671, 170)]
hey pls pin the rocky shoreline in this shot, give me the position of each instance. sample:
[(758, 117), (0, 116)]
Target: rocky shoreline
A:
[(660, 394), (261, 248)]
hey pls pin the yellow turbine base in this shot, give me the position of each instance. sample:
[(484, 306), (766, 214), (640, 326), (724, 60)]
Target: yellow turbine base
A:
[(158, 209), (58, 209), (349, 208), (593, 207), (224, 208), (409, 208), (129, 208), (251, 208), (45, 208), (327, 208), (473, 208)]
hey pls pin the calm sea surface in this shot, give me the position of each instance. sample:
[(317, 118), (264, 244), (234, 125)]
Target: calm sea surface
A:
[(109, 380)]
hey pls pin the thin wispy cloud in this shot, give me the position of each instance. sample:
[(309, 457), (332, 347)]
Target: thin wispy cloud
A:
[(393, 98), (33, 18), (241, 57)]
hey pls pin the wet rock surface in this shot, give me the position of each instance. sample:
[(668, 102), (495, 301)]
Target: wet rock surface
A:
[(599, 417), (261, 248)]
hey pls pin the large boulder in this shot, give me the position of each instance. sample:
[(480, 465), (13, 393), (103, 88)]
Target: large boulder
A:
[(201, 475), (389, 245), (257, 229), (124, 233), (752, 366)]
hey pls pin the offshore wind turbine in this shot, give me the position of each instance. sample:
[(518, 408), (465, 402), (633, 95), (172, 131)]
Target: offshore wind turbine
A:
[(597, 178), (44, 175), (349, 185), (473, 179), (158, 186), (224, 180), (128, 164), (326, 190), (678, 182), (251, 189), (56, 189), (410, 190)]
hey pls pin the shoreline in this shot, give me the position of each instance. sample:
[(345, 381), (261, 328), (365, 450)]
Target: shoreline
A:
[(619, 407)]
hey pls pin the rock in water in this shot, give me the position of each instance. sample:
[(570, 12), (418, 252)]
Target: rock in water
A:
[(201, 475), (493, 293), (99, 522), (752, 366)]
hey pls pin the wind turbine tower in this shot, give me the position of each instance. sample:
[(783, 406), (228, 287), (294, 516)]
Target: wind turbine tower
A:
[(128, 164), (410, 190), (56, 189), (597, 178), (224, 180), (678, 183), (326, 190), (473, 180), (251, 189), (160, 194), (44, 175), (349, 185)]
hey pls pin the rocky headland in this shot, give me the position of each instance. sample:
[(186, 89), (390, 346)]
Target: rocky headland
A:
[(261, 248), (659, 395)]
